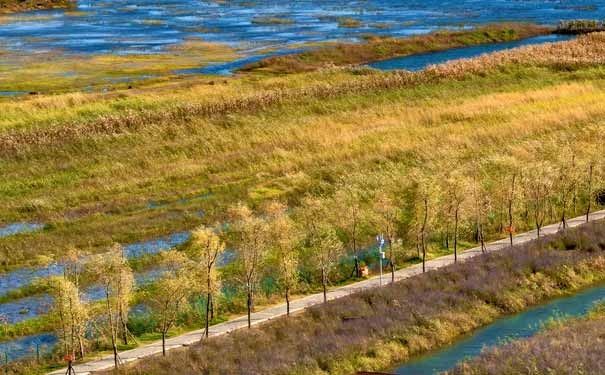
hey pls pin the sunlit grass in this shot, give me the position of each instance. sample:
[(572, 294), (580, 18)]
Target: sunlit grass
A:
[(25, 18), (284, 151), (272, 21), (377, 48), (14, 6), (78, 13)]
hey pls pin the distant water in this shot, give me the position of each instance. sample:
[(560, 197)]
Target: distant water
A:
[(153, 247), (17, 228), (144, 26), (31, 307), (419, 62), (25, 308), (229, 67), (27, 346), (518, 326), (12, 93), (25, 276)]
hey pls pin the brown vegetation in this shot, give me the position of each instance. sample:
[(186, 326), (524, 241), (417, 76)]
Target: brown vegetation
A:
[(14, 6), (587, 50), (580, 27), (382, 48)]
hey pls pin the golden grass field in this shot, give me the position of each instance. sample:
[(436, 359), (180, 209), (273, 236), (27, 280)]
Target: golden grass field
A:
[(135, 164), (88, 164)]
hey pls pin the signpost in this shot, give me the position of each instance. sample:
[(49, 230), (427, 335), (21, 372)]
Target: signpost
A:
[(380, 240)]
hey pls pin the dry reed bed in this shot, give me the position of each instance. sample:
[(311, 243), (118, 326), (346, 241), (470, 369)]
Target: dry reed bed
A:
[(290, 153), (381, 48), (14, 6), (585, 51)]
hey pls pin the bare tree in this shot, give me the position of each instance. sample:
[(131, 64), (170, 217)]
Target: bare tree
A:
[(72, 314), (168, 295), (349, 200), (249, 236), (206, 248), (423, 231), (116, 278), (511, 201), (481, 206), (589, 188), (73, 267), (538, 189), (284, 240), (388, 217), (328, 250), (565, 191), (455, 191)]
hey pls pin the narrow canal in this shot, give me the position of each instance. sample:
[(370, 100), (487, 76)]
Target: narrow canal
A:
[(518, 326)]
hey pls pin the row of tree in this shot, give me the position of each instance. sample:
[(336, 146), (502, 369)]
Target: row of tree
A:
[(412, 210)]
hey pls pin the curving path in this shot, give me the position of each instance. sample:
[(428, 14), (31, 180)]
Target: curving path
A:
[(314, 299)]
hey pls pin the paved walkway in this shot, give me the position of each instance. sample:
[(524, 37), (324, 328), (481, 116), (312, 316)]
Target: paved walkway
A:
[(302, 303)]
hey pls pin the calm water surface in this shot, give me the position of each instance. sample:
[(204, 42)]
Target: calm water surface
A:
[(25, 276), (419, 62), (517, 326)]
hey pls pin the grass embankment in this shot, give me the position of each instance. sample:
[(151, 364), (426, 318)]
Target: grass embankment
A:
[(568, 346), (377, 328), (382, 48), (14, 6), (89, 164)]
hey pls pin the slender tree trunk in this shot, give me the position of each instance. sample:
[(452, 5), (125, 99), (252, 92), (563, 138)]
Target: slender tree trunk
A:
[(589, 192), (423, 239), (357, 272), (124, 328), (73, 327), (211, 307), (392, 261), (81, 345), (249, 303), (417, 235), (208, 298), (63, 329), (456, 233), (113, 333), (287, 301), (481, 239), (510, 211), (447, 234), (164, 342), (323, 283)]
